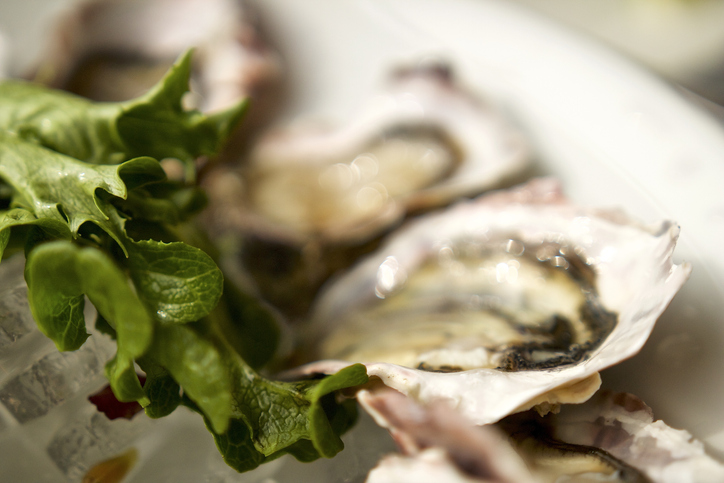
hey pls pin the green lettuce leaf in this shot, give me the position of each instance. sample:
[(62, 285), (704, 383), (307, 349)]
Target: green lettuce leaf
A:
[(198, 367), (154, 125), (248, 326), (59, 189), (80, 190), (58, 274), (20, 217), (272, 418), (162, 203), (162, 390), (178, 282)]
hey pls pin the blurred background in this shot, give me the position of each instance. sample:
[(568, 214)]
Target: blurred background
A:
[(681, 40)]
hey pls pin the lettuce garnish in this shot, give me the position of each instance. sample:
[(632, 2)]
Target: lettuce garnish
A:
[(155, 124), (83, 194)]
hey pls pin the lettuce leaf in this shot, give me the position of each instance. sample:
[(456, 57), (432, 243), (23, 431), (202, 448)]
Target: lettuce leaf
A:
[(58, 275), (83, 193), (302, 419), (178, 282), (59, 189), (273, 418), (155, 125)]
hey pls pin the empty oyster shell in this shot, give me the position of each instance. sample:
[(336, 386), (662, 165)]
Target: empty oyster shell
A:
[(422, 143), (515, 300), (112, 50)]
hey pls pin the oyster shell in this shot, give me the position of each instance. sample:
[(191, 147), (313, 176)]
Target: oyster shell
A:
[(437, 444), (112, 50), (623, 426), (420, 144), (613, 437), (539, 296)]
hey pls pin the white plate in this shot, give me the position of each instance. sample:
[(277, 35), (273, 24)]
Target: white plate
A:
[(612, 132)]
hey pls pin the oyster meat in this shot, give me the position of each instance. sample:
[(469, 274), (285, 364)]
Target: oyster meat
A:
[(515, 300)]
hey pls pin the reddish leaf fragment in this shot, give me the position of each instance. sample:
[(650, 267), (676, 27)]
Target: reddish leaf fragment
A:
[(107, 403)]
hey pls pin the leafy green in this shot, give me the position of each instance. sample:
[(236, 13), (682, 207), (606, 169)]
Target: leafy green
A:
[(162, 390), (55, 293), (197, 366), (83, 194), (248, 327), (59, 274), (174, 204), (58, 189), (178, 282), (20, 217), (157, 125), (154, 125), (272, 418)]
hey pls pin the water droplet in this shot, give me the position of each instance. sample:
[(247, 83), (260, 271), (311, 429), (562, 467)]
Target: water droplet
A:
[(546, 252), (365, 166), (560, 262), (514, 247), (371, 197), (390, 277), (501, 271)]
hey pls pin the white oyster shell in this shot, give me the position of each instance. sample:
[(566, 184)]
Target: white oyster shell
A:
[(421, 143), (436, 444), (635, 278), (624, 426), (430, 465), (434, 440), (230, 60)]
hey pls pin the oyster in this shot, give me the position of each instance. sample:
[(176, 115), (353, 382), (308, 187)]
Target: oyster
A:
[(309, 200), (112, 50), (420, 144), (612, 437), (622, 427), (515, 300)]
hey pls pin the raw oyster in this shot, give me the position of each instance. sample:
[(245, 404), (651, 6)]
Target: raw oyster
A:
[(309, 200), (112, 50), (612, 437), (420, 144), (623, 427), (515, 300)]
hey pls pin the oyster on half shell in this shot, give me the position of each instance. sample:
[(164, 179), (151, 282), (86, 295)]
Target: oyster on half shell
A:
[(515, 300), (613, 438), (114, 50), (420, 144)]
